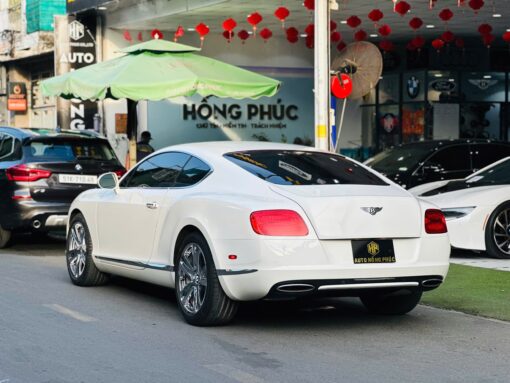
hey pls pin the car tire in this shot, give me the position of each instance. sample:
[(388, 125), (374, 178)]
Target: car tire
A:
[(200, 296), (397, 303), (497, 232), (5, 237), (80, 265)]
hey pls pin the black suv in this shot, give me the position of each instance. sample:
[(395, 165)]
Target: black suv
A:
[(42, 171), (418, 163)]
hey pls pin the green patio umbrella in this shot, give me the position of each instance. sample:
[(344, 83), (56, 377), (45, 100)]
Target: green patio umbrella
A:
[(157, 70)]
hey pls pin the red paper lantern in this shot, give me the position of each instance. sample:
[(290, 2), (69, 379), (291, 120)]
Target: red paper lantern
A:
[(254, 19), (127, 36), (157, 34), (178, 33), (310, 29), (341, 46), (202, 30), (229, 35), (281, 14), (360, 35), (229, 25), (309, 4), (448, 37), (243, 35), (292, 32), (336, 37), (310, 41), (402, 8), (438, 44), (386, 46), (266, 34), (376, 15), (416, 23), (333, 26), (459, 42), (506, 37), (446, 15), (418, 42), (485, 29), (488, 39), (476, 5), (385, 30), (341, 86), (354, 21)]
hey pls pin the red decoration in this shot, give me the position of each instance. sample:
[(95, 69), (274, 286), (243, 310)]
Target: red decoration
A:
[(127, 36), (281, 14), (476, 5), (292, 32), (310, 42), (292, 39), (254, 19), (402, 8), (416, 23), (156, 34), (418, 42), (229, 35), (386, 46), (202, 30), (485, 29), (178, 33), (446, 15), (340, 47), (354, 21), (360, 35), (448, 37), (140, 36), (488, 39), (385, 30), (459, 42), (341, 86), (410, 46), (310, 29), (266, 34), (336, 37), (333, 26), (309, 4), (438, 44), (243, 35), (506, 37), (228, 26), (376, 15)]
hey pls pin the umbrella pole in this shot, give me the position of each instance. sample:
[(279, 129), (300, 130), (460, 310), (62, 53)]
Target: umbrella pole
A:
[(132, 125)]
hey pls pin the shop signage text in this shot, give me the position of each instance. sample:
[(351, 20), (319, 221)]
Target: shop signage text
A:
[(17, 97)]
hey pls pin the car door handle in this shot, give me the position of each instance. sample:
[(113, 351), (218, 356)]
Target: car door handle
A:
[(152, 205)]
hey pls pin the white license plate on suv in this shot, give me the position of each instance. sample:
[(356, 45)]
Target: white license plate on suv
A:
[(77, 179)]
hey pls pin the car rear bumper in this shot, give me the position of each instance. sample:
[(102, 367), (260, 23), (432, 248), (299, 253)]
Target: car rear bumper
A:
[(36, 216)]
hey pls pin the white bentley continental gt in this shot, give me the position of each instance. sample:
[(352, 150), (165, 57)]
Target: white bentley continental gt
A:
[(226, 222), (477, 208)]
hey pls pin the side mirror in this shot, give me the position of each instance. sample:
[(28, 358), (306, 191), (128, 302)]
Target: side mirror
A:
[(108, 181)]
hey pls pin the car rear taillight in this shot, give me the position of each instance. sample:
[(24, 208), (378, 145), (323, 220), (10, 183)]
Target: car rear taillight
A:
[(284, 223), (120, 172), (23, 173), (435, 222)]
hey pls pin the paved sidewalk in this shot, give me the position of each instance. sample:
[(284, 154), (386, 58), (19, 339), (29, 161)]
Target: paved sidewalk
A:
[(479, 260)]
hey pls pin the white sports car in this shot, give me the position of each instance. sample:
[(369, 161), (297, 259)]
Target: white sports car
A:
[(238, 221), (477, 208)]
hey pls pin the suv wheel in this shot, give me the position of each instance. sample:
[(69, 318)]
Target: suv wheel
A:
[(201, 299), (5, 237), (497, 232), (397, 303), (80, 265)]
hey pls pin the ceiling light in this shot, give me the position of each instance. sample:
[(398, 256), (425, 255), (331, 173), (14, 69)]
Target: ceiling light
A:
[(303, 35), (103, 8), (487, 77), (497, 15), (438, 75), (430, 26), (374, 35), (343, 22), (191, 29)]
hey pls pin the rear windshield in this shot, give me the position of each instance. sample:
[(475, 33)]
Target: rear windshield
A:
[(402, 159), (69, 151), (284, 167)]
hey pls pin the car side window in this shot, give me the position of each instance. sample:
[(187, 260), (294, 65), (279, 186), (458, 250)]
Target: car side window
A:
[(486, 154), (160, 171), (194, 171), (453, 158), (10, 148)]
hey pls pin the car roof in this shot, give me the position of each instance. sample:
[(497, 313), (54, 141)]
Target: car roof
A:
[(443, 143), (41, 132)]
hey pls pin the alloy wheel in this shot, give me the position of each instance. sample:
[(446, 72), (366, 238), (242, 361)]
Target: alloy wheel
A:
[(501, 231), (192, 278), (77, 250)]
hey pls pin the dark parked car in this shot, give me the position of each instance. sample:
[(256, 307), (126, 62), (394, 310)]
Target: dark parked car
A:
[(417, 163), (42, 171)]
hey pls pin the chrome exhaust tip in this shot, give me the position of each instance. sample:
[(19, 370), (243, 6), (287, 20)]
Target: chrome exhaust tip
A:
[(295, 288), (429, 283), (36, 224)]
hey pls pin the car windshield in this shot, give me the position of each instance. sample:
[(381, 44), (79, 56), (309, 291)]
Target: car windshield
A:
[(496, 175), (69, 151), (399, 159), (287, 167)]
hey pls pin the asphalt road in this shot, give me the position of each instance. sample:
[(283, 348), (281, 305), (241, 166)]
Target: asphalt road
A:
[(52, 331)]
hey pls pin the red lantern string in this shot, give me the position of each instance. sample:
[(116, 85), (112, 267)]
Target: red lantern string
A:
[(127, 36), (309, 4), (476, 5), (228, 26), (281, 14), (438, 44), (376, 15), (336, 36), (446, 15), (292, 35), (156, 34), (178, 33), (385, 30), (310, 29), (229, 35), (243, 35), (202, 30), (360, 35), (254, 19), (354, 21), (402, 8), (416, 23), (266, 34), (448, 37), (309, 41), (485, 29), (386, 46)]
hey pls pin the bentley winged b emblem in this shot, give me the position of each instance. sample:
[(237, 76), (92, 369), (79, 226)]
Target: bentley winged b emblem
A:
[(372, 210)]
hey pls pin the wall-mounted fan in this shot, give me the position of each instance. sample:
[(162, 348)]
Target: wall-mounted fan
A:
[(363, 62)]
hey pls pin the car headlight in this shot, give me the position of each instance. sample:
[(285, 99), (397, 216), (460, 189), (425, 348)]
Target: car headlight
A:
[(457, 212)]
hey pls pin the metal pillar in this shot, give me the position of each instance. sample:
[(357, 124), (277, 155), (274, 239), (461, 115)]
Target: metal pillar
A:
[(322, 74)]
